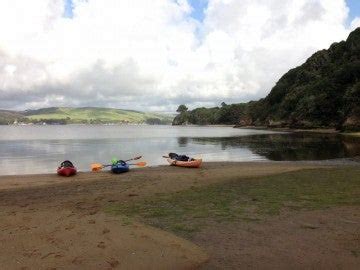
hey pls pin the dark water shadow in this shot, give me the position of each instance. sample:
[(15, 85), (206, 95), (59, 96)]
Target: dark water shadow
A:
[(183, 141), (291, 146)]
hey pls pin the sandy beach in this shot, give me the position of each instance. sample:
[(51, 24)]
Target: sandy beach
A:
[(51, 222)]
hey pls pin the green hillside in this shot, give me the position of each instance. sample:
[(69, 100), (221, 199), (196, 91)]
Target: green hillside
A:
[(86, 115), (323, 92), (92, 115)]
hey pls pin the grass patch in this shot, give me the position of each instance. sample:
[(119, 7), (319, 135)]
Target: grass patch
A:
[(248, 200)]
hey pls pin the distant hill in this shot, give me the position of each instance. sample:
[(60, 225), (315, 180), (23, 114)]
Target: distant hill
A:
[(8, 117), (323, 92), (85, 115)]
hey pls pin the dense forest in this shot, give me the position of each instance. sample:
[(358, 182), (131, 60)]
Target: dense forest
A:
[(323, 92)]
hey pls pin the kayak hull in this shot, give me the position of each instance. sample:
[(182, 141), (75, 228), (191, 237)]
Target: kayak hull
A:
[(66, 171), (188, 164), (120, 168)]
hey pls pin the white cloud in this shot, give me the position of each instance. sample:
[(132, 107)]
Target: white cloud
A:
[(355, 23), (152, 55)]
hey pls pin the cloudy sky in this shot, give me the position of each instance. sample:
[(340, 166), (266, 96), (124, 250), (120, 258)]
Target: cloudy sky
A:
[(154, 55)]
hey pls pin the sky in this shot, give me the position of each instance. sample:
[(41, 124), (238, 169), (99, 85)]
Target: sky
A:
[(154, 55), (354, 9)]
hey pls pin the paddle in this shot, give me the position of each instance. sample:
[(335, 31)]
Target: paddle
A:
[(140, 164), (135, 158), (95, 167)]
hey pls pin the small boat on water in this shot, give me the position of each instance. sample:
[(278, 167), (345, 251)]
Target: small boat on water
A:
[(195, 163), (66, 168)]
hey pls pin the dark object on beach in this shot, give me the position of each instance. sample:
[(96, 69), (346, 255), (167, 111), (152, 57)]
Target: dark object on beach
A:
[(183, 161), (175, 156), (120, 166), (193, 163), (66, 169)]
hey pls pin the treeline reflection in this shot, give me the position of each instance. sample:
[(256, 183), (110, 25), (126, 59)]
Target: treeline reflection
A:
[(289, 146)]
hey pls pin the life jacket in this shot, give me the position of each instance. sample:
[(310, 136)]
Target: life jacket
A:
[(121, 162)]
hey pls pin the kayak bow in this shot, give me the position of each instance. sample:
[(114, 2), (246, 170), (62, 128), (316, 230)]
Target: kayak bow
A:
[(66, 171)]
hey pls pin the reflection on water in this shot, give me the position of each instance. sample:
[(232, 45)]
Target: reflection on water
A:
[(183, 141), (43, 156), (291, 146), (22, 153)]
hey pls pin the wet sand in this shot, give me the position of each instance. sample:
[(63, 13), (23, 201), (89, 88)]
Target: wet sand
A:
[(51, 222)]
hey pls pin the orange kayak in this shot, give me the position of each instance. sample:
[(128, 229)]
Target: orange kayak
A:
[(190, 164)]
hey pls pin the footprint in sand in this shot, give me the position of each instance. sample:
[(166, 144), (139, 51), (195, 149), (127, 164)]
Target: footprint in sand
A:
[(113, 262), (33, 253), (77, 260), (71, 214), (26, 219), (53, 240), (81, 233), (105, 231), (93, 212), (101, 245), (24, 228), (70, 227), (145, 236), (52, 254)]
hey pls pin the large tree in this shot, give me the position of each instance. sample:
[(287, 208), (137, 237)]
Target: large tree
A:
[(182, 108)]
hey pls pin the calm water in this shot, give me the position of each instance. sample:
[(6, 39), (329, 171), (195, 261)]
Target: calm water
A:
[(39, 149)]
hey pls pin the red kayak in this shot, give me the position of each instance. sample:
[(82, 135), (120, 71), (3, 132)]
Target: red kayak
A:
[(66, 169)]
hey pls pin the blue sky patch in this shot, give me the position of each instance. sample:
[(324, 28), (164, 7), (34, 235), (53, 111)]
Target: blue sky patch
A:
[(68, 12), (354, 6), (199, 7)]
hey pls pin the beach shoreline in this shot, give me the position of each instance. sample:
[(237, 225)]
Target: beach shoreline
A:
[(50, 221), (40, 179)]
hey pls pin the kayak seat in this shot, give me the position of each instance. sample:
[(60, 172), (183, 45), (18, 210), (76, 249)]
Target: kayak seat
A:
[(67, 164)]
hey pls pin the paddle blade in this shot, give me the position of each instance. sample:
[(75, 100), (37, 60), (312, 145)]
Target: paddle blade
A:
[(140, 164), (136, 158), (96, 167)]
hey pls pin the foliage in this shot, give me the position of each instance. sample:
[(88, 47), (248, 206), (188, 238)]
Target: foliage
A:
[(323, 92), (156, 121), (182, 109)]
